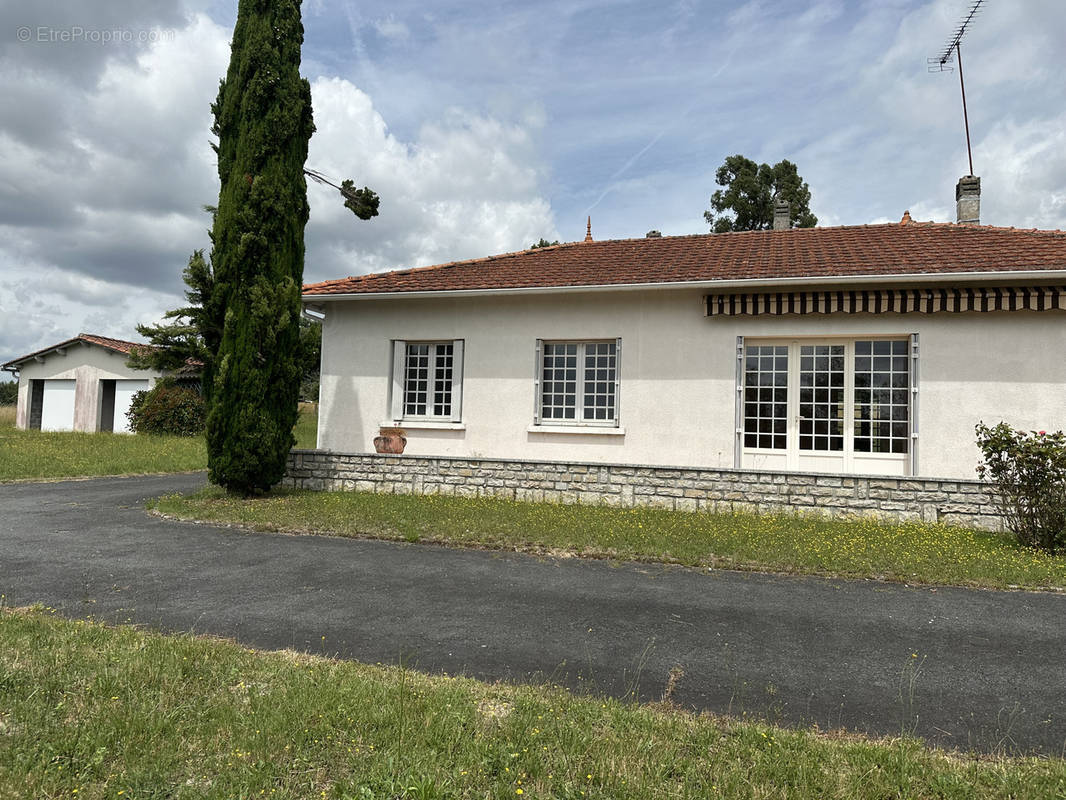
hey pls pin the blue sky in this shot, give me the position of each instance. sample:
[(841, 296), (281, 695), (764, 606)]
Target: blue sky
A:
[(487, 125)]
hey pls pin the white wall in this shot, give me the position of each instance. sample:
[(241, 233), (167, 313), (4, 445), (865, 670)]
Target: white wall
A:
[(86, 364), (677, 374)]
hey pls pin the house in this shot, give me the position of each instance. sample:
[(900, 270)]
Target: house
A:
[(81, 384), (862, 350)]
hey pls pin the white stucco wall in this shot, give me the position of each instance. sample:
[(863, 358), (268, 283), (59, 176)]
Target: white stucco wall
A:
[(678, 372), (86, 364)]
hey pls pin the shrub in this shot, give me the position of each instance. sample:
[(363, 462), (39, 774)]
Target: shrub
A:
[(309, 390), (9, 393), (1028, 471), (167, 409)]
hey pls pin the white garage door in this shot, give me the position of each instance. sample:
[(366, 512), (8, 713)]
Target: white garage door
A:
[(124, 391), (57, 409)]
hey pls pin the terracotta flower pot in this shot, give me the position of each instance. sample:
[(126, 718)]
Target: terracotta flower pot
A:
[(390, 440)]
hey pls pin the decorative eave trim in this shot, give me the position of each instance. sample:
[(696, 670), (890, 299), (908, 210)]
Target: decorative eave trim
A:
[(889, 301)]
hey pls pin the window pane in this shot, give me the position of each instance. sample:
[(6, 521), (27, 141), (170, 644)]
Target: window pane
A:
[(416, 380), (598, 402), (578, 375), (558, 381), (882, 415), (442, 380), (821, 409), (766, 366), (428, 378)]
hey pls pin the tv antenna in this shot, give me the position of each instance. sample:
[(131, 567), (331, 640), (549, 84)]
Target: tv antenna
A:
[(942, 63)]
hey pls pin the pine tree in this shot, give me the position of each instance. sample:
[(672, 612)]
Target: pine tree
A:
[(263, 123), (187, 336)]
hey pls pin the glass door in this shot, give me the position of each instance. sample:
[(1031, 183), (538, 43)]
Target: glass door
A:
[(837, 406), (821, 408)]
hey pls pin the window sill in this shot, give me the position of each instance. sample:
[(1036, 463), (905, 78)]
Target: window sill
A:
[(579, 430), (423, 424)]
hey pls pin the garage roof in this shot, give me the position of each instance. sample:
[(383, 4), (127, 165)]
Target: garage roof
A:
[(108, 343)]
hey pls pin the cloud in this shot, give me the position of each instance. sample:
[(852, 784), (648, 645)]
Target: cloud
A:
[(1025, 173), (391, 28), (111, 184), (102, 183), (39, 307), (75, 41), (484, 129), (463, 188)]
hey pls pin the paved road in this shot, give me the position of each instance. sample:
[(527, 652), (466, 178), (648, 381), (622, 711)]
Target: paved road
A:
[(990, 672)]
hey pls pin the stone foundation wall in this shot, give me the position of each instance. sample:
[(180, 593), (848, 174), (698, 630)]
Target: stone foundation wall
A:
[(957, 502)]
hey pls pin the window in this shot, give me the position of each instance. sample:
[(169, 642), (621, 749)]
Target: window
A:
[(882, 379), (842, 405), (577, 383), (427, 381), (821, 397), (766, 396)]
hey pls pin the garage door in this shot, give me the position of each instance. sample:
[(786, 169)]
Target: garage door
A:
[(124, 391), (57, 406)]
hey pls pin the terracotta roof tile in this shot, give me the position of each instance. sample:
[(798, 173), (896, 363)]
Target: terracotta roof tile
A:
[(903, 248), (116, 345)]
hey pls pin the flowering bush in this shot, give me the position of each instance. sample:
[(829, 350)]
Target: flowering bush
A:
[(1028, 471), (167, 409)]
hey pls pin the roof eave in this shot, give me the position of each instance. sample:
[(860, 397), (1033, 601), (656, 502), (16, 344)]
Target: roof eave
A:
[(77, 340), (1042, 275), (15, 362)]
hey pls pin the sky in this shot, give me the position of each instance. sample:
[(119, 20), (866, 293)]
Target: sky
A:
[(486, 126)]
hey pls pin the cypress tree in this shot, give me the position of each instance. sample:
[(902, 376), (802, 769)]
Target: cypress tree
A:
[(263, 123)]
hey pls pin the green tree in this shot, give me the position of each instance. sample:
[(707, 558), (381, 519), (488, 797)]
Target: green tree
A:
[(746, 201), (187, 334), (543, 243), (310, 358), (190, 334), (263, 122)]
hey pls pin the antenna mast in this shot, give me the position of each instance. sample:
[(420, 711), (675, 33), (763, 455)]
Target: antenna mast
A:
[(941, 64)]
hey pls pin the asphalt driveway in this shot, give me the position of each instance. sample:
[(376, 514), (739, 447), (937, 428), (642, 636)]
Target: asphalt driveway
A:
[(963, 668)]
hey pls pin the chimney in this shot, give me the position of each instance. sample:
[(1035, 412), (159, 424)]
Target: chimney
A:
[(968, 200), (781, 215), (653, 235)]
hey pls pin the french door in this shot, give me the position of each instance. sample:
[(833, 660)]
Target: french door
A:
[(834, 405)]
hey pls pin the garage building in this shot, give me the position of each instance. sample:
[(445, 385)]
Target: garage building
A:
[(82, 384)]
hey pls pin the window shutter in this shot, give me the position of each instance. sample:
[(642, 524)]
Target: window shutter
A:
[(739, 406), (536, 381), (914, 404), (617, 381), (399, 356), (457, 380)]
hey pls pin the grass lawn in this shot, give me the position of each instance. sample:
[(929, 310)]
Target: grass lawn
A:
[(88, 711), (306, 429), (42, 455), (912, 552), (36, 454)]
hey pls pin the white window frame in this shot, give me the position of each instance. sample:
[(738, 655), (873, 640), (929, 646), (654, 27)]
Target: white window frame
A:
[(542, 422), (399, 378), (850, 460)]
